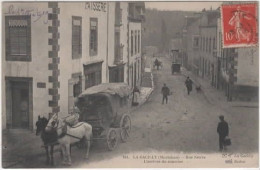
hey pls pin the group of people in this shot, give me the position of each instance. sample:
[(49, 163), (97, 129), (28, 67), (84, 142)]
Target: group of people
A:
[(222, 129), (166, 91)]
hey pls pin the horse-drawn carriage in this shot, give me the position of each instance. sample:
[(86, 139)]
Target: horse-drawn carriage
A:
[(105, 107), (103, 116), (176, 67)]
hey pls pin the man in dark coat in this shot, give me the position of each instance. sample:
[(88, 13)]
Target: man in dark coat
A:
[(188, 84), (165, 92), (156, 63), (222, 132)]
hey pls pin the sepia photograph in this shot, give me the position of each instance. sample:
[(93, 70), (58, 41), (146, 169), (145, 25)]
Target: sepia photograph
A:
[(129, 84)]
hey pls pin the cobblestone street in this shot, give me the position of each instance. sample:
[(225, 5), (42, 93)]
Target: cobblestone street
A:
[(166, 127)]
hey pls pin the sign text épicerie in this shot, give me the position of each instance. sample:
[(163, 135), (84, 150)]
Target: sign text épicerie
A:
[(96, 6)]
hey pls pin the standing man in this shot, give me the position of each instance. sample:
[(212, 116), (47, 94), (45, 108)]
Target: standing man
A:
[(222, 132), (165, 92), (188, 84), (136, 93)]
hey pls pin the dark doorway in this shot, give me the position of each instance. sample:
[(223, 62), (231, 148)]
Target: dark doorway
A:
[(20, 104)]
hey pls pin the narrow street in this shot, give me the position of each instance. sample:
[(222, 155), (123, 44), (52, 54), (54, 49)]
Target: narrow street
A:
[(157, 127)]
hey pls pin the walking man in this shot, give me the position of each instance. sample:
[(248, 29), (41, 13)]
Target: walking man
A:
[(165, 92), (156, 62), (188, 84), (222, 132)]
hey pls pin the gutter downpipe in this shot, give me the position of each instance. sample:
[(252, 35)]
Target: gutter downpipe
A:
[(107, 70)]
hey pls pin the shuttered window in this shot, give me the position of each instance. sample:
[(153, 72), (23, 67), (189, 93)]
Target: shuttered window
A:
[(139, 43), (93, 36), (132, 44), (76, 37), (135, 42), (18, 38)]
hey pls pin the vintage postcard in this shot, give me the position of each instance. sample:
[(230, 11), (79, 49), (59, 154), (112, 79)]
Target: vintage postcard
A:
[(138, 84)]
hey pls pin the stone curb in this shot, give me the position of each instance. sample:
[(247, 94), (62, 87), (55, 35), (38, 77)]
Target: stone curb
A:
[(146, 98), (232, 104)]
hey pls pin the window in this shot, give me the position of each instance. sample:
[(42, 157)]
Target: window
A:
[(93, 79), (135, 42), (214, 43), (139, 43), (195, 41), (116, 74), (18, 38), (93, 74), (203, 46), (76, 37), (93, 36), (118, 15), (132, 45), (210, 45), (207, 44), (75, 88)]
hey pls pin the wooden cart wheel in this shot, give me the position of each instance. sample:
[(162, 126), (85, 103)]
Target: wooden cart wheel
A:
[(112, 139), (125, 128)]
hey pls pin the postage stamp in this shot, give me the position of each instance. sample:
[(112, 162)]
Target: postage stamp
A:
[(239, 25)]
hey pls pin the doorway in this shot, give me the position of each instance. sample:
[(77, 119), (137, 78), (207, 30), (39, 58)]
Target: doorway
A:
[(19, 103)]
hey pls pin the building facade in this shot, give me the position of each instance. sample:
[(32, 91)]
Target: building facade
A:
[(118, 44), (52, 51), (233, 70), (208, 45), (238, 71), (135, 19)]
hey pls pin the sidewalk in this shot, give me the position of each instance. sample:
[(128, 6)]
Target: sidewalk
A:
[(213, 95), (146, 88)]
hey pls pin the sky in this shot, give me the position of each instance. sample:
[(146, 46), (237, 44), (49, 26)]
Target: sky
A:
[(182, 6)]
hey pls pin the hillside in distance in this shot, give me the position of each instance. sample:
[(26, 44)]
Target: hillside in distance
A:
[(153, 34)]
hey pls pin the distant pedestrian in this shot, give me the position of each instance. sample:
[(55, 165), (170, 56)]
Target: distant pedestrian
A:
[(222, 132), (156, 63), (188, 84), (165, 92)]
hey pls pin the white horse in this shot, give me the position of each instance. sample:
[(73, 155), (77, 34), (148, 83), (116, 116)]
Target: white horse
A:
[(68, 135)]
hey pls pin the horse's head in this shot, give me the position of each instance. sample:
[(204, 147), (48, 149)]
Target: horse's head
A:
[(53, 123), (41, 124)]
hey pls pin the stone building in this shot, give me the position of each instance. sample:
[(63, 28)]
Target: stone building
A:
[(192, 42), (118, 44), (238, 70), (135, 19), (234, 70), (208, 44), (52, 51)]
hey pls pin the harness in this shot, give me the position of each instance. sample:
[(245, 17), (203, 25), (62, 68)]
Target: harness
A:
[(64, 130)]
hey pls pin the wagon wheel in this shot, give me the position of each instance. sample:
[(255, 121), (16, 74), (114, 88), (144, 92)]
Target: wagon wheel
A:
[(112, 139), (125, 125)]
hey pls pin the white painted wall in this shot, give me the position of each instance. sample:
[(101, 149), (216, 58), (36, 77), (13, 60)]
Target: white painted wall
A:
[(38, 67), (248, 66), (69, 65), (135, 57), (123, 35)]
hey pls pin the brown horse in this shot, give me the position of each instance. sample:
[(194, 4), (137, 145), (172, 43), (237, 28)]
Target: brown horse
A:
[(49, 138)]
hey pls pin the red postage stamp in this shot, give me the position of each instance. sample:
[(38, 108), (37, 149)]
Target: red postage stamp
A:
[(239, 25)]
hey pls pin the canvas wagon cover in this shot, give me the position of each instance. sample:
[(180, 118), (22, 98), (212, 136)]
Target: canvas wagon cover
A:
[(120, 89)]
